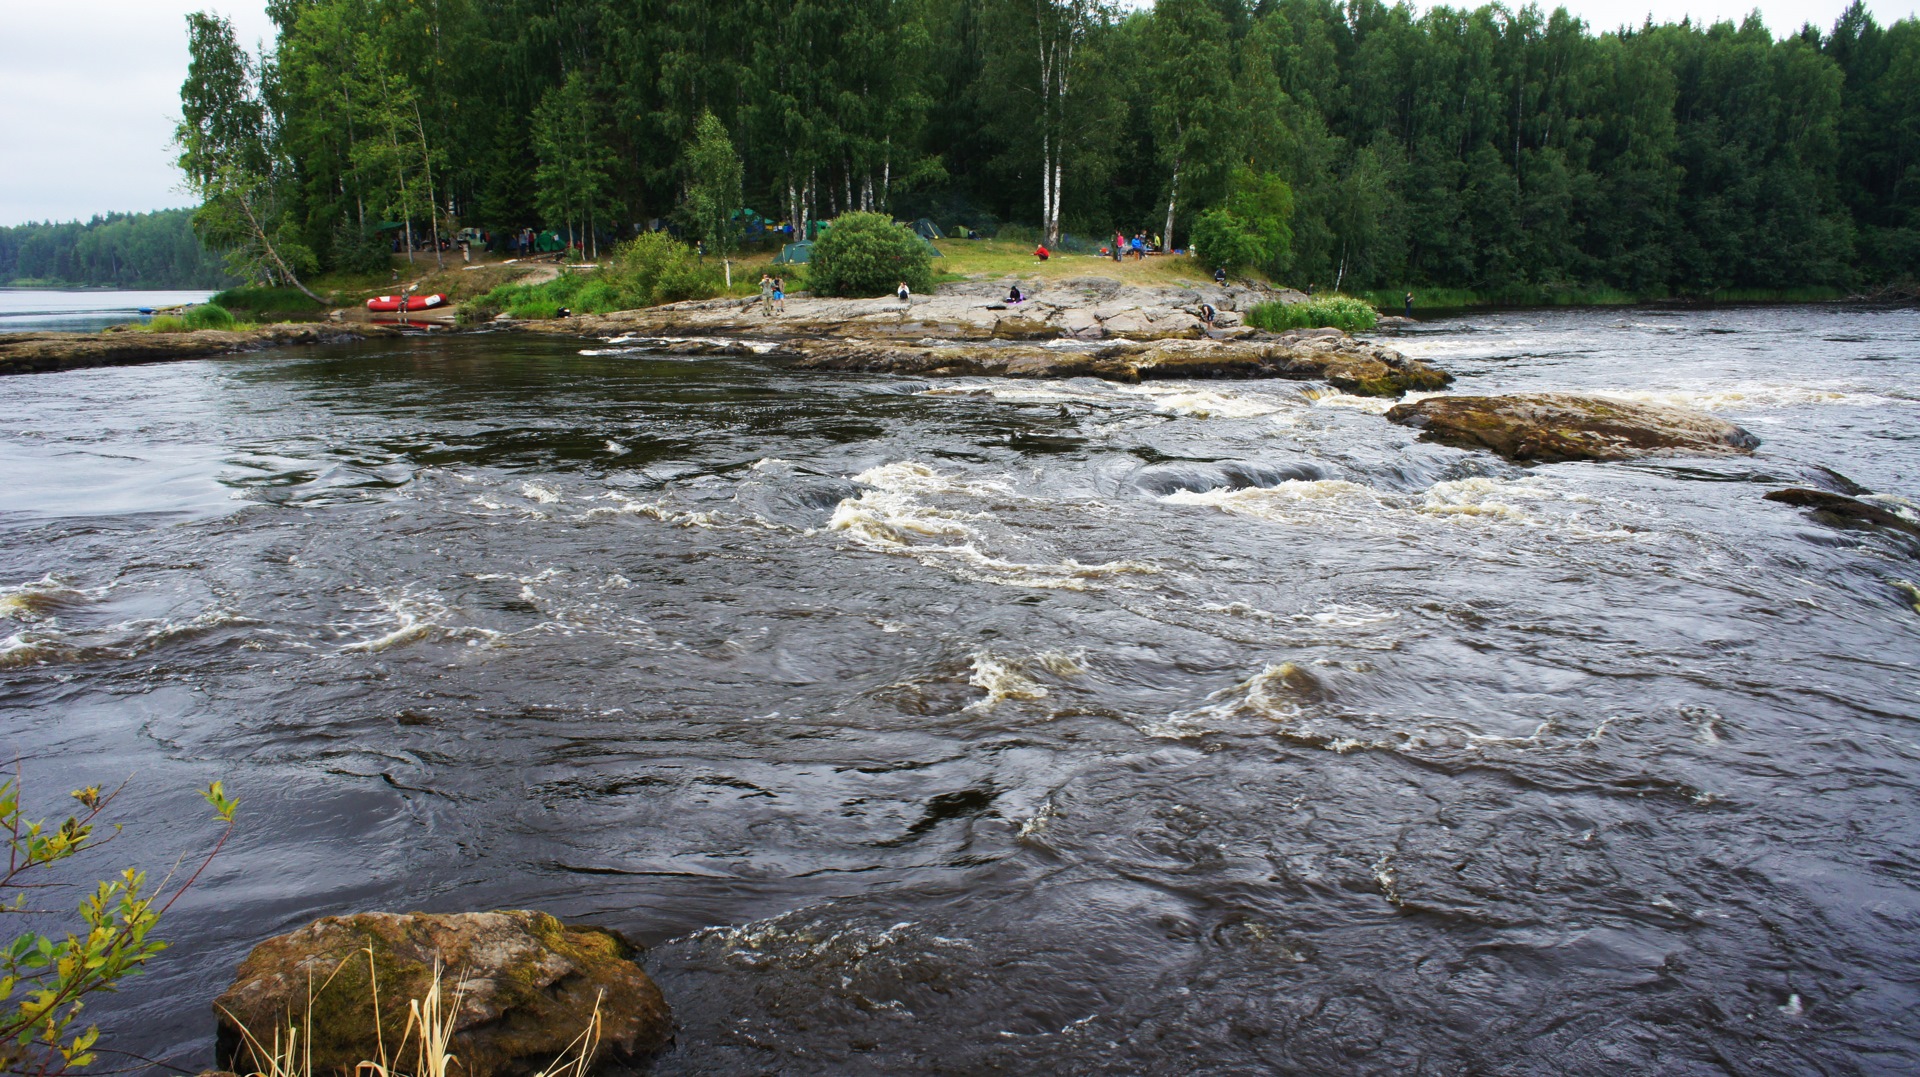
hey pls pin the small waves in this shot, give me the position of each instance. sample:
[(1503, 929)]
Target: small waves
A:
[(418, 617), (895, 516)]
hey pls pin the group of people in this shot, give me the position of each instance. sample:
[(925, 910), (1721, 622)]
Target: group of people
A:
[(1139, 245), (773, 294)]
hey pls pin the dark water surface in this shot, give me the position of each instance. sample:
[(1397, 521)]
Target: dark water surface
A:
[(1016, 727)]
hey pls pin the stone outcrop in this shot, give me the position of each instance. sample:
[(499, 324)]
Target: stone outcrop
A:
[(27, 353), (1566, 426), (1088, 308), (1844, 511), (1320, 354), (527, 986)]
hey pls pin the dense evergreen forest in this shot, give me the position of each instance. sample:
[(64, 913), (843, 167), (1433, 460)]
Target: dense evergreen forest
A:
[(120, 250), (1487, 149)]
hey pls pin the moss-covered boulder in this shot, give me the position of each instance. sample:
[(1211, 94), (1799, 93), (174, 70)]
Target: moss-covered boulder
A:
[(527, 986), (1568, 426)]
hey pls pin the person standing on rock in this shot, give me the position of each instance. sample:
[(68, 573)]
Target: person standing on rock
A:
[(766, 295), (780, 294), (1409, 304)]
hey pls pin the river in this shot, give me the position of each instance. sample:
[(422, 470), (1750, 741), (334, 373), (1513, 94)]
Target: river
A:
[(83, 310), (1015, 727)]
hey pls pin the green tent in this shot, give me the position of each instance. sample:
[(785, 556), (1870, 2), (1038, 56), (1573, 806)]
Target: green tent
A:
[(927, 229), (794, 254)]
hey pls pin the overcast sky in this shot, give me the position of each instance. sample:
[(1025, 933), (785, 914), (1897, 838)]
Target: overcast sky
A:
[(89, 89)]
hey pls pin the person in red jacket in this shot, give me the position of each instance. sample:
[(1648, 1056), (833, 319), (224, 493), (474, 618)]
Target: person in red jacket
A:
[(1041, 252)]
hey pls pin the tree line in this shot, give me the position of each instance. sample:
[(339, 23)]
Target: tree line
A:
[(121, 250), (1487, 148)]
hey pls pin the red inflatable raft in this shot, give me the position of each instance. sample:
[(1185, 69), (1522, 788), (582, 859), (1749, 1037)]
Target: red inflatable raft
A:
[(397, 303)]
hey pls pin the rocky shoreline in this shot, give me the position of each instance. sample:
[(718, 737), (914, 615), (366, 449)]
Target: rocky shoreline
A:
[(33, 353)]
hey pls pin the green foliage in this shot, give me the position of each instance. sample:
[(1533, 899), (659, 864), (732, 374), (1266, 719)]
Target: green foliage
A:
[(122, 250), (166, 323), (573, 157), (1334, 311), (713, 186), (649, 270), (866, 254), (1252, 228), (208, 316), (1490, 149), (45, 980), (267, 302)]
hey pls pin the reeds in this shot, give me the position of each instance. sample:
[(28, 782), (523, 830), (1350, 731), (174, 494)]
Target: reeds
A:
[(432, 1020)]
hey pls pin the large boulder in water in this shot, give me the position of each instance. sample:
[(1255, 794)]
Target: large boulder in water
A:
[(1568, 426), (527, 987)]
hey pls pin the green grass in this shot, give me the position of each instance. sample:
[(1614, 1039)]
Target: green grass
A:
[(269, 304), (1333, 311), (204, 316)]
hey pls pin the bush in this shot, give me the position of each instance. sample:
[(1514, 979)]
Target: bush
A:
[(866, 254), (208, 316), (1251, 229), (654, 268), (166, 323), (1336, 312)]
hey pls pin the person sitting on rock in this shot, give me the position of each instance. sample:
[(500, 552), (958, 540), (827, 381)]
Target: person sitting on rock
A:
[(905, 295), (1220, 276), (1014, 296)]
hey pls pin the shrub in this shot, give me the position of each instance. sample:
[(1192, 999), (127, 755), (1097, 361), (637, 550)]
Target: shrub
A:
[(1251, 229), (208, 316), (166, 323), (48, 979), (866, 254), (1336, 312), (652, 269)]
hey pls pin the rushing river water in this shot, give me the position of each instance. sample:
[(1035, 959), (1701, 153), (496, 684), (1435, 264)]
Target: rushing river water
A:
[(1015, 727)]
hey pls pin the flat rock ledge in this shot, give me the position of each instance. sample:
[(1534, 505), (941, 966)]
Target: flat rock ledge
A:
[(1548, 427), (1088, 308), (527, 987), (1354, 366), (30, 353)]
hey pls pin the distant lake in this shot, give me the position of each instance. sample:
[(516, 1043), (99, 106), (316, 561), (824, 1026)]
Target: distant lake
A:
[(41, 309)]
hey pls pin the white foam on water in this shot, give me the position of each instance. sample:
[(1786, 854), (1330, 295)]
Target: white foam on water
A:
[(892, 518), (1747, 396), (37, 600), (1480, 496), (1278, 693), (617, 449), (628, 506), (126, 640), (1376, 405), (1180, 399), (539, 494), (418, 617), (1294, 501), (1003, 678)]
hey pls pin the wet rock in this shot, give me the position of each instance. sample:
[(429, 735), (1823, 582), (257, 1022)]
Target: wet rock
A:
[(1844, 511), (29, 353), (1566, 426), (527, 985), (1355, 366)]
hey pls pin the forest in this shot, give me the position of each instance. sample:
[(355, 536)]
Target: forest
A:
[(119, 250), (1492, 149)]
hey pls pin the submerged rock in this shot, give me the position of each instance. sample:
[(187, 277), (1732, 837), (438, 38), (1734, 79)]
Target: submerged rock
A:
[(28, 353), (1566, 426), (1844, 511), (1354, 366), (527, 987)]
